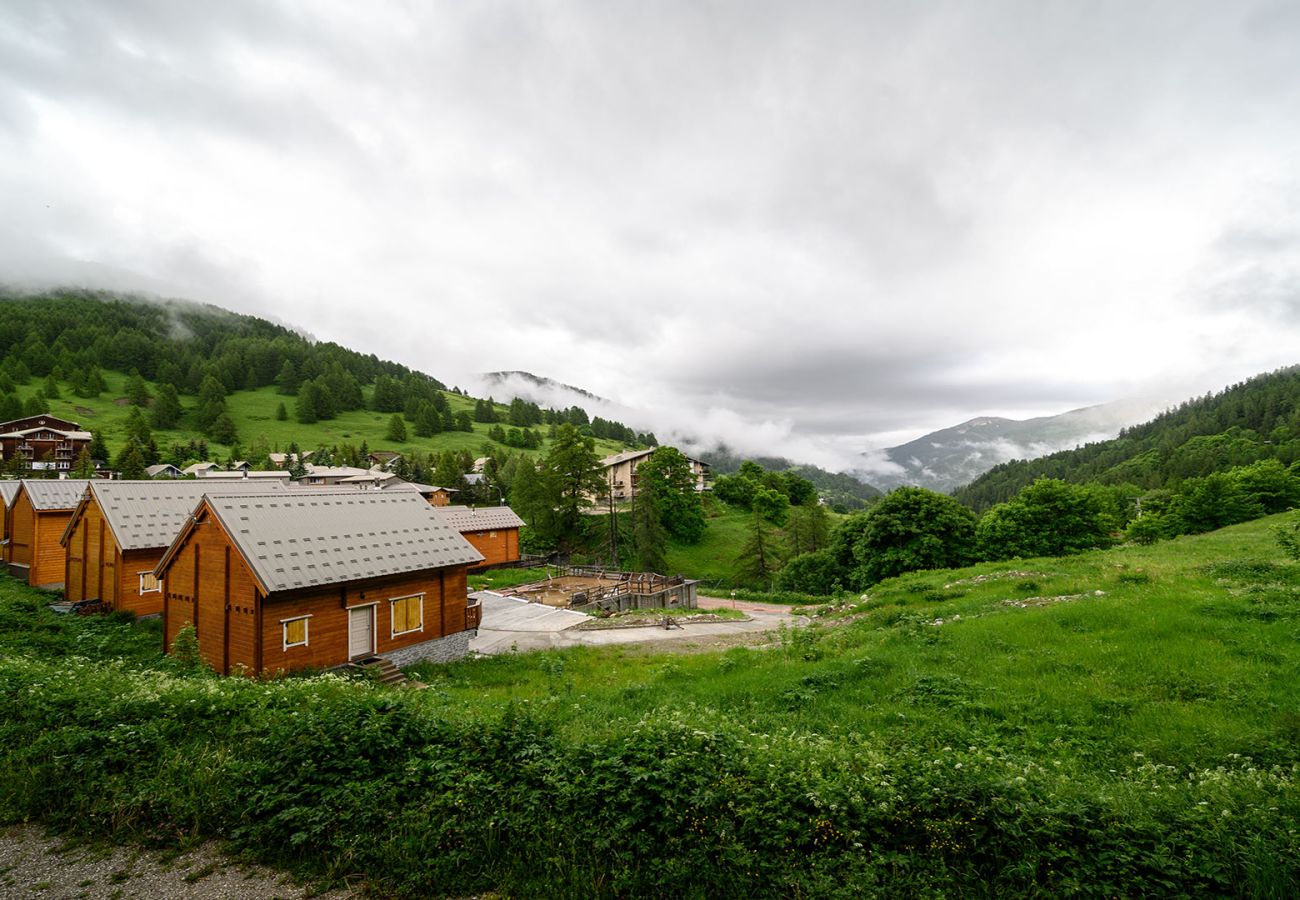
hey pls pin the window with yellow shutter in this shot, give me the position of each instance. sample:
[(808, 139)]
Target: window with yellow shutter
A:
[(149, 583), (408, 614), (295, 632)]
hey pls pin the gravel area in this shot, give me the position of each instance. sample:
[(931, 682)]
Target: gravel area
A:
[(35, 866)]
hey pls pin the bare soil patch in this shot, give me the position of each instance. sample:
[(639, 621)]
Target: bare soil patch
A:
[(35, 865)]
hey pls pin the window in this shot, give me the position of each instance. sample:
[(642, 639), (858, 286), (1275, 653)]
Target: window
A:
[(149, 583), (408, 614), (295, 631), (492, 534)]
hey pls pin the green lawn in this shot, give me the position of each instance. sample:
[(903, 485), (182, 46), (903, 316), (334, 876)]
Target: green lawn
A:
[(254, 416)]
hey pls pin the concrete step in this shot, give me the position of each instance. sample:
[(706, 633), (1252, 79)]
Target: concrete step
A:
[(383, 670)]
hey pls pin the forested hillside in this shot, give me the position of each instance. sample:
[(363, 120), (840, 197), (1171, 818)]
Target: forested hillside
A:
[(1258, 419), (190, 381)]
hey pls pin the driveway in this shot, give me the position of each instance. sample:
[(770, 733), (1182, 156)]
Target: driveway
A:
[(511, 624)]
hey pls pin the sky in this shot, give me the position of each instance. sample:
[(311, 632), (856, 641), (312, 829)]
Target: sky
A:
[(808, 228)]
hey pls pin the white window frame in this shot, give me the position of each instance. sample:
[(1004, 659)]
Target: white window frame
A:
[(156, 589), (392, 632), (306, 632)]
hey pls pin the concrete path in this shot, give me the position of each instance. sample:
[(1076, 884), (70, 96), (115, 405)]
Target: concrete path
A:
[(510, 624)]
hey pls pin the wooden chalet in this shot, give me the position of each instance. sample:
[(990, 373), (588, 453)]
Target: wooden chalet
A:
[(46, 441), (314, 579), (121, 529), (492, 530), (40, 514)]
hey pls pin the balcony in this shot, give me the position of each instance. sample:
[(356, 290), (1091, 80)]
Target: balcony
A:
[(473, 616)]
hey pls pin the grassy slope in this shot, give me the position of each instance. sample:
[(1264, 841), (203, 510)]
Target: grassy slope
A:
[(254, 415), (713, 560), (1181, 665), (961, 736)]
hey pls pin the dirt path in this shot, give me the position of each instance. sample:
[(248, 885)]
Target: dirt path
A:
[(35, 866), (744, 605)]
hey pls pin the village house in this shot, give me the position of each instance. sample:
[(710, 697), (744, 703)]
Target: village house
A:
[(281, 460), (199, 469), (315, 579), (39, 516), (330, 475), (492, 530), (163, 470), (621, 478), (383, 459), (119, 532), (46, 441)]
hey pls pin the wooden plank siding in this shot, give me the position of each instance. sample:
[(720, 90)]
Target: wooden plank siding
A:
[(207, 582), (49, 563), (497, 546), (98, 569), (22, 525)]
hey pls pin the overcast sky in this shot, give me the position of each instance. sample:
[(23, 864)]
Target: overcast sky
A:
[(815, 227)]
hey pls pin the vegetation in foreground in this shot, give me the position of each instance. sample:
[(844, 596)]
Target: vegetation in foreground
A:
[(987, 731)]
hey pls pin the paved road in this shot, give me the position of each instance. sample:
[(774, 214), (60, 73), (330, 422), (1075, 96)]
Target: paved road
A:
[(517, 624)]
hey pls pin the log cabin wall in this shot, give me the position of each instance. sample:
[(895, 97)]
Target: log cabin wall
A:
[(497, 546), (49, 562), (90, 554), (126, 594), (22, 524), (443, 613), (209, 585)]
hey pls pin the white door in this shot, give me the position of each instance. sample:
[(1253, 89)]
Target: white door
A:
[(361, 631)]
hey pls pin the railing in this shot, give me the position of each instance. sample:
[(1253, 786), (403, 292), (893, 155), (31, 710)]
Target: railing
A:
[(473, 616)]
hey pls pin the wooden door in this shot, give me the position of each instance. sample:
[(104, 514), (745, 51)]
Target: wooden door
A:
[(361, 631)]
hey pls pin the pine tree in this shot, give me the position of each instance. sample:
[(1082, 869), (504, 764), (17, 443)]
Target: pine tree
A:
[(84, 467), (758, 562), (281, 414), (396, 429), (648, 535), (137, 392), (167, 407), (131, 463)]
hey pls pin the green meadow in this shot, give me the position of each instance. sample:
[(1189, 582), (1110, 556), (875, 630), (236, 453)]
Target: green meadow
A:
[(1119, 723), (254, 415)]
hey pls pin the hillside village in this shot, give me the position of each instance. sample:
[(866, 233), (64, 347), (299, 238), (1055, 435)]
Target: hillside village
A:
[(294, 566)]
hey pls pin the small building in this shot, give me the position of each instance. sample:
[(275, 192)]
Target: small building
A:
[(314, 579), (375, 479), (492, 530), (121, 529), (437, 496), (199, 469), (46, 441), (163, 470), (384, 459), (281, 460), (40, 514), (621, 478), (330, 475)]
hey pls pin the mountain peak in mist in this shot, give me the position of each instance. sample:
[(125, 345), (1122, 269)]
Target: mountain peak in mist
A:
[(951, 457)]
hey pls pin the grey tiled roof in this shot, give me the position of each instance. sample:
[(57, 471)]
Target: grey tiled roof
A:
[(55, 493), (149, 514), (305, 539), (484, 518), (8, 490)]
